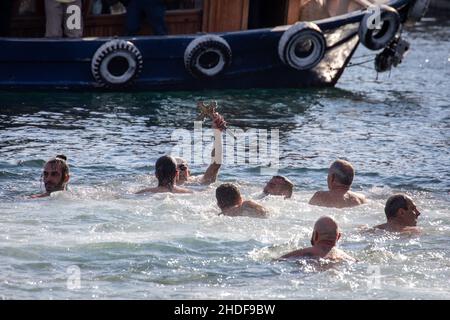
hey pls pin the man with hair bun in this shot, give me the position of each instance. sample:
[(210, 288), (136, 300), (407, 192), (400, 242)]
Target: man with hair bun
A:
[(401, 214), (55, 176), (340, 178)]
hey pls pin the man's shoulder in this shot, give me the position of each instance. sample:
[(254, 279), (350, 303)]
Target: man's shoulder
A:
[(411, 230), (149, 190), (300, 253), (319, 197), (195, 179), (342, 255), (381, 226), (357, 197), (182, 190), (248, 208)]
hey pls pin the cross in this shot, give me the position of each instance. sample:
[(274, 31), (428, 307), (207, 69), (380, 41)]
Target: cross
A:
[(208, 110)]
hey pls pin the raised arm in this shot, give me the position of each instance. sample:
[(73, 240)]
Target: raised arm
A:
[(212, 171)]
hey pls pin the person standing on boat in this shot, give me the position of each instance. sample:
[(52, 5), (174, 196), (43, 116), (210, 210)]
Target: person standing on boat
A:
[(166, 172), (210, 175), (154, 10), (63, 15), (339, 7), (55, 176), (340, 178), (401, 214), (324, 239), (321, 9)]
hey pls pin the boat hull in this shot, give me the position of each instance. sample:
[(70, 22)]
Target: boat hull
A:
[(67, 63)]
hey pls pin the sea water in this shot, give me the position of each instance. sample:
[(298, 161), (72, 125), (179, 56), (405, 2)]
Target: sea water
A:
[(101, 241)]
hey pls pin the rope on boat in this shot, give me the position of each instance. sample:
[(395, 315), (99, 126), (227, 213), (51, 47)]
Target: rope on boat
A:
[(359, 64), (365, 55)]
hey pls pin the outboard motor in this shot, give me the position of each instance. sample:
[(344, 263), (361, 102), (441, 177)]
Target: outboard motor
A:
[(392, 55)]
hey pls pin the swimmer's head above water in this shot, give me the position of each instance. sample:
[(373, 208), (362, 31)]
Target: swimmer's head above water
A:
[(228, 195), (183, 170), (401, 214), (339, 181), (56, 174), (279, 186), (326, 231), (324, 240), (166, 171), (340, 175), (400, 209), (231, 203)]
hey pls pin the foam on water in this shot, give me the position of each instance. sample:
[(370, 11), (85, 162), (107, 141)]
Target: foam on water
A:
[(167, 246)]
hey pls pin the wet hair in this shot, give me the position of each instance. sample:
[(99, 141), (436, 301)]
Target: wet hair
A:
[(394, 203), (180, 160), (166, 171), (227, 195), (343, 171), (62, 161), (287, 183), (181, 163)]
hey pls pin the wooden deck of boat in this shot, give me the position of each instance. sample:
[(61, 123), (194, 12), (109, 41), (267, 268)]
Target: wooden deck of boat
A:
[(182, 17)]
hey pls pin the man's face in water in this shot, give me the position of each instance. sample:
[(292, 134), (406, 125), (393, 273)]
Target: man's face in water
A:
[(53, 177), (277, 187), (410, 214), (183, 173)]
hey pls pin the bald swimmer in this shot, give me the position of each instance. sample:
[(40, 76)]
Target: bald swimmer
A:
[(401, 214), (324, 239), (340, 178), (166, 172), (230, 201)]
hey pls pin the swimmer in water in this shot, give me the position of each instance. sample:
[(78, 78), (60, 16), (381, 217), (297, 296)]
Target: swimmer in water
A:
[(279, 186), (324, 239), (210, 175), (55, 176), (166, 172), (401, 214), (340, 178), (230, 201)]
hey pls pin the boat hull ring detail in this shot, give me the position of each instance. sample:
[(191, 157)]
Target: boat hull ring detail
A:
[(207, 56), (302, 46), (116, 64), (377, 37)]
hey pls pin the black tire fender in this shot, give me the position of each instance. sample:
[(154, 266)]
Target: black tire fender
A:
[(207, 56), (302, 46), (116, 64), (376, 39)]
